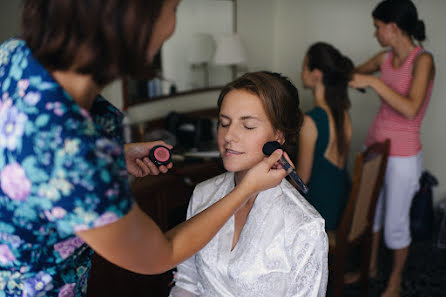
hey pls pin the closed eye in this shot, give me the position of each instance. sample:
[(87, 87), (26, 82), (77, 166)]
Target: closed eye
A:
[(250, 123), (223, 123)]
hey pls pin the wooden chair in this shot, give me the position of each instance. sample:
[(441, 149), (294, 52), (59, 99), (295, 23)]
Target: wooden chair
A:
[(356, 223)]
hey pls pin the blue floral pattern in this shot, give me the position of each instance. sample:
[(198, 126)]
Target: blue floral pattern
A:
[(62, 170)]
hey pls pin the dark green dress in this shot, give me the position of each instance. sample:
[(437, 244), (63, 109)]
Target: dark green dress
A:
[(329, 186)]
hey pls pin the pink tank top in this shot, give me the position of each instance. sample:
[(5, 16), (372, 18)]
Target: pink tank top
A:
[(403, 133)]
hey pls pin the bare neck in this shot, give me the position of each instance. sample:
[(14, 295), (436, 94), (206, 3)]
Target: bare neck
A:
[(403, 47), (238, 176), (80, 87), (319, 96)]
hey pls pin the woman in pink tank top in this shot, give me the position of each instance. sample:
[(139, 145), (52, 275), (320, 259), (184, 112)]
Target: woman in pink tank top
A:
[(404, 87)]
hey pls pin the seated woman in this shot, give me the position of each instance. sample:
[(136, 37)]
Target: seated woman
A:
[(274, 245), (326, 132)]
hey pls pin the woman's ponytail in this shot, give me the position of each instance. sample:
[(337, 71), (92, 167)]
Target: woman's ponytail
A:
[(420, 31)]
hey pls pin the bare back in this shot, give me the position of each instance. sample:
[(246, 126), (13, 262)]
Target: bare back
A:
[(332, 154)]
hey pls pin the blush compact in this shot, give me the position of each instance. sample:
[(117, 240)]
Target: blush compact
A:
[(160, 155)]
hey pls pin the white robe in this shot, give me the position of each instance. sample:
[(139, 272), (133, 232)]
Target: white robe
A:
[(282, 249)]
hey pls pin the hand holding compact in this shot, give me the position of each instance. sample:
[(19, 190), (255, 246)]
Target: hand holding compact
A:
[(160, 155), (138, 161)]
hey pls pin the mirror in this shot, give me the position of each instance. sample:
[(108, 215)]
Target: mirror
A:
[(191, 60)]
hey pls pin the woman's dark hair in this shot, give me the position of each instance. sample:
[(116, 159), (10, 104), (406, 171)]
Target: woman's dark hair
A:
[(404, 14), (280, 99), (337, 72), (103, 38)]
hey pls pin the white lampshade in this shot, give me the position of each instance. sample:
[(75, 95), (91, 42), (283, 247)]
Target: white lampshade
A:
[(201, 48), (229, 50)]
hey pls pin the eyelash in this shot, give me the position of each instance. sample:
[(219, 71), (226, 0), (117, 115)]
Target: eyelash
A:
[(227, 125), (220, 124)]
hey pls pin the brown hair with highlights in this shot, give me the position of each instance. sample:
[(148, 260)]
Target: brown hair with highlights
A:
[(280, 100), (103, 38)]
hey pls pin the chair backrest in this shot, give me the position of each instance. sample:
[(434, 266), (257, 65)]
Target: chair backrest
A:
[(370, 168)]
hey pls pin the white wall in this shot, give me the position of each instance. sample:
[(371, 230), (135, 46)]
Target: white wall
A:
[(348, 25), (181, 103), (9, 18), (255, 25), (196, 16), (113, 93)]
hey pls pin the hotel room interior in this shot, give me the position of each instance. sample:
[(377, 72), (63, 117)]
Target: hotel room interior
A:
[(217, 40)]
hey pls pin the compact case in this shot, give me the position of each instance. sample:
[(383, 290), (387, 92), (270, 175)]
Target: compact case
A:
[(160, 155)]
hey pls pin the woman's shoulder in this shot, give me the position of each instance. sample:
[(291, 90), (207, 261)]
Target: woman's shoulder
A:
[(216, 181), (302, 223), (10, 46), (42, 106), (211, 190), (317, 113), (424, 57), (296, 208), (319, 116)]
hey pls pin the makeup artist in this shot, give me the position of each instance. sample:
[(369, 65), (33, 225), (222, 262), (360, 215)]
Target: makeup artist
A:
[(64, 191)]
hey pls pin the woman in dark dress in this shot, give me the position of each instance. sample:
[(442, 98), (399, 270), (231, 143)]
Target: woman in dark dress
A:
[(326, 132)]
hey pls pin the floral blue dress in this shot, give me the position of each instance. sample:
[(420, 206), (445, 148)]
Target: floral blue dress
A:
[(62, 170)]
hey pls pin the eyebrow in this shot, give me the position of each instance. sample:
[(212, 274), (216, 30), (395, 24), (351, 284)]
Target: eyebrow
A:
[(243, 117)]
